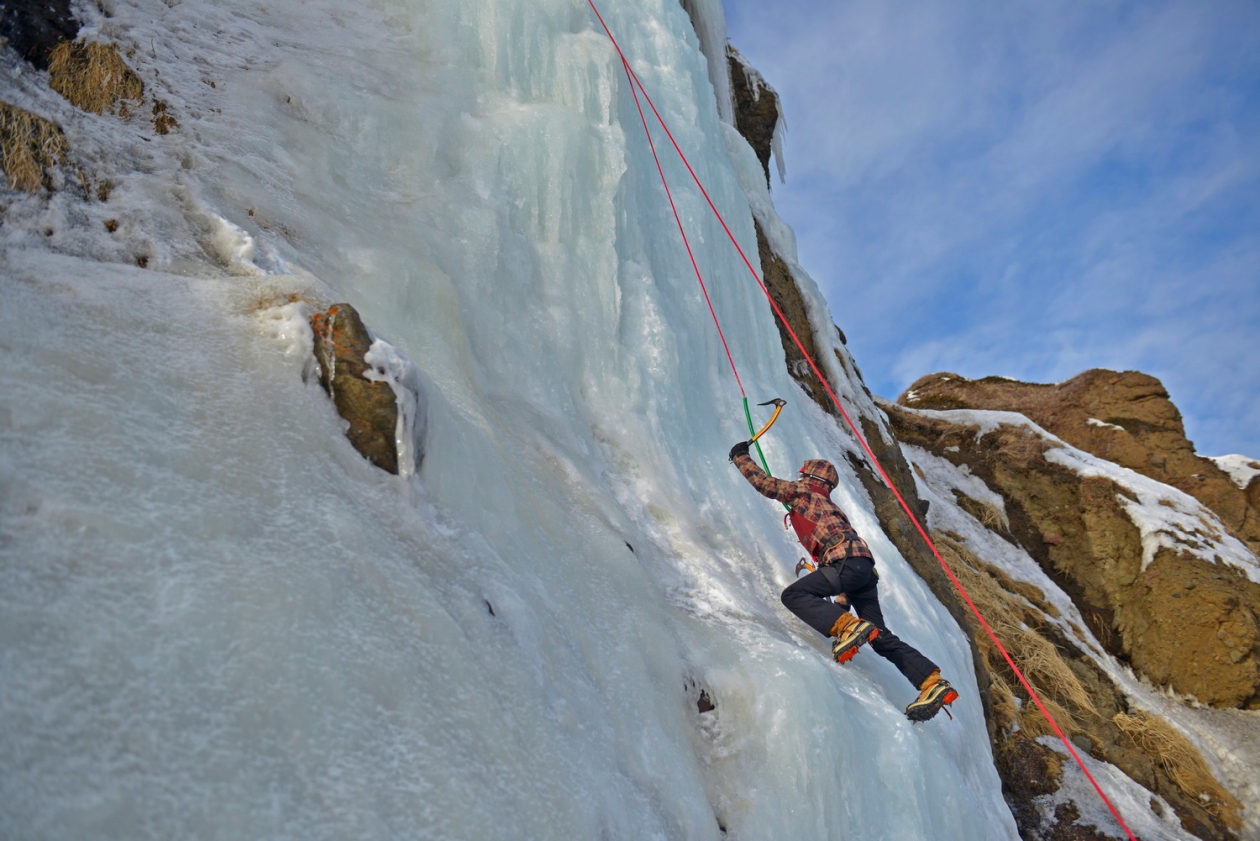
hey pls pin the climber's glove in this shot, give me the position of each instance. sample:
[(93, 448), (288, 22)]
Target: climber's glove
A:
[(740, 449)]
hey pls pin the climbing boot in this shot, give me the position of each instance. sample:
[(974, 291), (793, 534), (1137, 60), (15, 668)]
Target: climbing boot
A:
[(848, 634), (935, 694)]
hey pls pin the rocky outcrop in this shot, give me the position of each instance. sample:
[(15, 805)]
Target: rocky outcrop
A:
[(33, 27), (757, 111), (1179, 620), (1125, 417), (368, 405), (1078, 533)]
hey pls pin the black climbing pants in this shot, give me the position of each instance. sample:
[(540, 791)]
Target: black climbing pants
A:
[(807, 598)]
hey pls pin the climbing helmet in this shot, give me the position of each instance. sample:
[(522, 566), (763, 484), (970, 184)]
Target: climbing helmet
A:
[(822, 470)]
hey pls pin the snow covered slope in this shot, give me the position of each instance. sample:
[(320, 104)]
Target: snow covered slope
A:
[(218, 621)]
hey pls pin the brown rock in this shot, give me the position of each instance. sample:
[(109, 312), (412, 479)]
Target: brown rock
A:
[(787, 297), (756, 109), (1124, 417), (1028, 770), (1067, 828), (34, 27), (341, 341), (1182, 622)]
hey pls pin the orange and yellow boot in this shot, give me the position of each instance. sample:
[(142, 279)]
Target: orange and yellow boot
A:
[(848, 634), (935, 694)]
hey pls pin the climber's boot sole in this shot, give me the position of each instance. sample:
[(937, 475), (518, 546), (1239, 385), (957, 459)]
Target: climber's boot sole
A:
[(932, 701), (846, 646)]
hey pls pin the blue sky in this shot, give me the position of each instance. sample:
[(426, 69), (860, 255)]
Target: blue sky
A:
[(1029, 189)]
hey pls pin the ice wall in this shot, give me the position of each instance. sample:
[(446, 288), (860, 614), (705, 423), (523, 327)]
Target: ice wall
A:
[(218, 621)]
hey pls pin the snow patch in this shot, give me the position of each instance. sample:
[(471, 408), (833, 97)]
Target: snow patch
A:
[(1165, 516), (289, 325), (233, 247), (986, 421), (941, 474), (1241, 469), (1131, 800)]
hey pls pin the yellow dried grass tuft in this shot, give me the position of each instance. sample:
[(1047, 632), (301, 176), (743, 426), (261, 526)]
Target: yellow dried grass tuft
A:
[(1045, 668), (93, 77), (163, 122), (1034, 725), (1181, 761), (1008, 611), (31, 147), (265, 296)]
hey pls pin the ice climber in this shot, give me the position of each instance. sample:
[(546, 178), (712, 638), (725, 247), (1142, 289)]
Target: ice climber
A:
[(846, 569)]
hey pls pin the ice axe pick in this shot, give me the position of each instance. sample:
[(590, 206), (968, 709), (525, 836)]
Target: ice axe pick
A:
[(778, 404)]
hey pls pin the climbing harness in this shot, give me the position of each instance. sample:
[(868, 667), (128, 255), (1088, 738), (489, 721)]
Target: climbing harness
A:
[(637, 87)]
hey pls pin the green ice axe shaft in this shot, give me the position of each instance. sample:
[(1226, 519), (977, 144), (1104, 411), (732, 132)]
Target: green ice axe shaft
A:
[(778, 404)]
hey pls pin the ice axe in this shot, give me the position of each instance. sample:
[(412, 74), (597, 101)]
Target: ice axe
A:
[(778, 404)]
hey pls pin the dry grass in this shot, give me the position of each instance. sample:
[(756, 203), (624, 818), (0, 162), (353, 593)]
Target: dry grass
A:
[(1034, 725), (163, 122), (93, 77), (991, 518), (1021, 445), (31, 147), (1044, 667), (265, 296), (985, 512), (1031, 592), (1015, 621), (1179, 759)]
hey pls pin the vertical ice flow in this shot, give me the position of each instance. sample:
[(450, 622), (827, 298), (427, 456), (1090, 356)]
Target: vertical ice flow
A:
[(218, 621)]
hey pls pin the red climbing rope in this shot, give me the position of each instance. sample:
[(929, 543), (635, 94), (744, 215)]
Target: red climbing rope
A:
[(636, 86), (695, 266), (670, 195)]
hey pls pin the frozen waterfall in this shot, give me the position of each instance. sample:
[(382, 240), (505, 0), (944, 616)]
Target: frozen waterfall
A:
[(218, 621)]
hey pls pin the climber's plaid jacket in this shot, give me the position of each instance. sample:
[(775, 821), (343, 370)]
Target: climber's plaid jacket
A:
[(833, 533)]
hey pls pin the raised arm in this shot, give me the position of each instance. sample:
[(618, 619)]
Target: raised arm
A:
[(765, 484)]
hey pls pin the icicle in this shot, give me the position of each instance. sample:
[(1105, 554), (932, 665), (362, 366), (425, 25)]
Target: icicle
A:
[(776, 144), (709, 20), (389, 366)]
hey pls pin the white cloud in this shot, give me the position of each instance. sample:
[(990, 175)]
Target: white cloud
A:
[(1029, 189)]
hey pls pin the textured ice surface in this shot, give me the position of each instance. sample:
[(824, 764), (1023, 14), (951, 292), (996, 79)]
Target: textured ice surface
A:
[(218, 621)]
